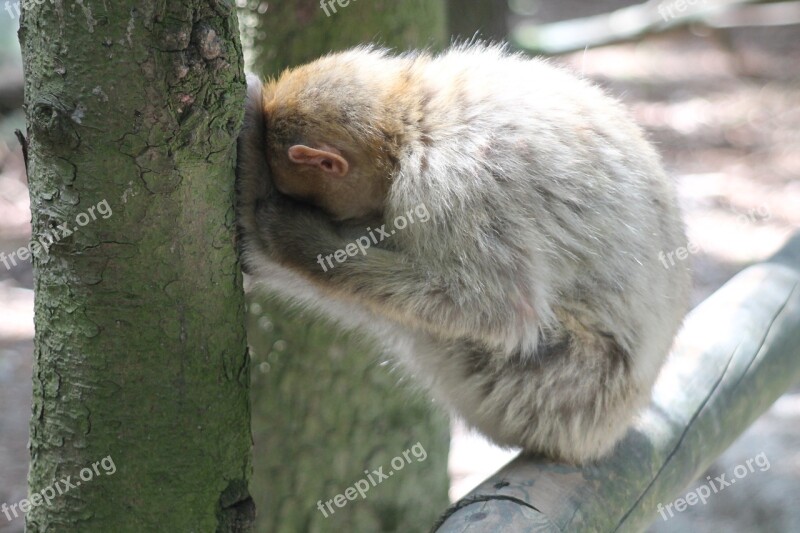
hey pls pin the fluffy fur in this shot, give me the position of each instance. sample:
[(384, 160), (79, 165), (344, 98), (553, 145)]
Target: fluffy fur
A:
[(532, 303)]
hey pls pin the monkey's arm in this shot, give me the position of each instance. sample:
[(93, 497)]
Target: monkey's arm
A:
[(394, 283)]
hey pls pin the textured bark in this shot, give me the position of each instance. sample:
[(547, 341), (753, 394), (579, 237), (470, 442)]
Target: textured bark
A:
[(140, 344), (325, 409)]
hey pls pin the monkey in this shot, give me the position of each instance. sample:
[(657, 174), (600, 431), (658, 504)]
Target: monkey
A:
[(531, 302)]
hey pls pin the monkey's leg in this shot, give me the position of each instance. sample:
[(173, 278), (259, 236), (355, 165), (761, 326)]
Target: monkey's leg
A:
[(571, 401)]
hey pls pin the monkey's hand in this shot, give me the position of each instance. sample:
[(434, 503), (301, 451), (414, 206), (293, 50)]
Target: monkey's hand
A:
[(290, 231)]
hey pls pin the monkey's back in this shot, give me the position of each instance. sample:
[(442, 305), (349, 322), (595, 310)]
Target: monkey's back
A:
[(554, 182)]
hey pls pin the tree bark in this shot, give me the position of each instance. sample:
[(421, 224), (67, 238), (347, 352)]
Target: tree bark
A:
[(140, 361), (324, 408)]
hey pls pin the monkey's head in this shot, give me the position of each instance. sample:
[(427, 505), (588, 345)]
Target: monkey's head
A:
[(328, 137)]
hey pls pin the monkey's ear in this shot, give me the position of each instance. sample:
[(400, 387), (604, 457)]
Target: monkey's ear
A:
[(328, 160)]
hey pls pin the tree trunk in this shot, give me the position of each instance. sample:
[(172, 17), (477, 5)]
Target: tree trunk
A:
[(140, 411), (291, 32), (325, 409), (484, 19)]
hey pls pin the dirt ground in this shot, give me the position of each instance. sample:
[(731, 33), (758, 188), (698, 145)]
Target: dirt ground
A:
[(723, 109)]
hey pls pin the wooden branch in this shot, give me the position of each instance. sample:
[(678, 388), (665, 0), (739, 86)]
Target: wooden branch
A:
[(632, 22), (737, 353)]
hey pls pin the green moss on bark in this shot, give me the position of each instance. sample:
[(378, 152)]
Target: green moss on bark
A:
[(140, 346)]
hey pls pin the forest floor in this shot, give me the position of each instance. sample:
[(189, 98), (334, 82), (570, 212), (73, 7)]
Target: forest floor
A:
[(724, 111)]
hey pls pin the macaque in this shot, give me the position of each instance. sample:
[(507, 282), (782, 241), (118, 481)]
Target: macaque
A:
[(530, 300)]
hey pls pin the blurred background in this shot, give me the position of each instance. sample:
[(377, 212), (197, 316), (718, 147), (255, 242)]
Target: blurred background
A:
[(715, 84)]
